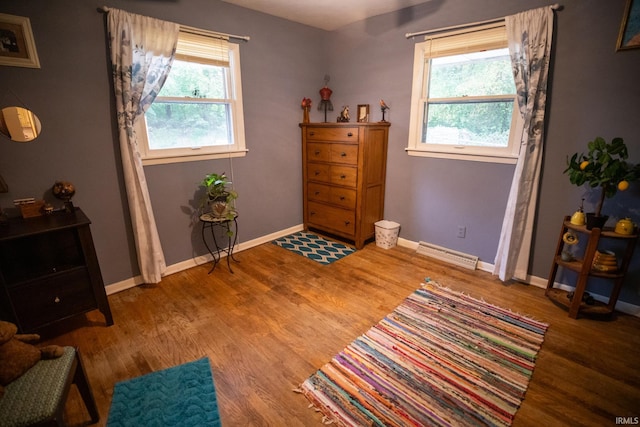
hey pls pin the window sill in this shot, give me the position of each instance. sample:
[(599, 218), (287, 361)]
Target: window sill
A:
[(467, 157), (192, 158)]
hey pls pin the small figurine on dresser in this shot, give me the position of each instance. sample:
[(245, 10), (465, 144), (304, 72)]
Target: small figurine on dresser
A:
[(325, 98), (383, 107), (64, 190), (344, 115), (306, 106)]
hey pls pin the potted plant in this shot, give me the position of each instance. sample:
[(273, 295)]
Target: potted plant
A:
[(603, 166), (218, 196)]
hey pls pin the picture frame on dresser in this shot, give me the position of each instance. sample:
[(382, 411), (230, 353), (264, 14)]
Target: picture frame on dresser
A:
[(363, 113), (17, 45)]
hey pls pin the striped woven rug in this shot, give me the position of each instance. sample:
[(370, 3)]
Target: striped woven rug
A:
[(441, 358)]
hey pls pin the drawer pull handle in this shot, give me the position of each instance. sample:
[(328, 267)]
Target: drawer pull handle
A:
[(312, 133), (317, 152), (56, 300), (347, 222), (312, 212), (343, 176), (317, 192), (343, 154), (341, 197), (317, 173), (350, 134)]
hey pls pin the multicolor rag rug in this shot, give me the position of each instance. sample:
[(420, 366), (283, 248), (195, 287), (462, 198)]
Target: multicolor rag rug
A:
[(319, 249), (441, 358), (183, 396)]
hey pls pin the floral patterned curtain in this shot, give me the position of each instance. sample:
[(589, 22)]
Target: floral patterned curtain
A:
[(529, 35), (142, 51)]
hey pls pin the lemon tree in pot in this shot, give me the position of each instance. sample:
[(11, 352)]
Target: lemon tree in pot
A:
[(604, 167), (219, 196)]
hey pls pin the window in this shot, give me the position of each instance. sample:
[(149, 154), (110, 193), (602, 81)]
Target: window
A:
[(198, 113), (463, 97)]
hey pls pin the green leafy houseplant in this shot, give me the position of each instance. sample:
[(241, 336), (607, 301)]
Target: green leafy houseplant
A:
[(218, 195), (603, 166)]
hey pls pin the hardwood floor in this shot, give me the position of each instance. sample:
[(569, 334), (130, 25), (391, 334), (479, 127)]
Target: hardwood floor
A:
[(280, 317)]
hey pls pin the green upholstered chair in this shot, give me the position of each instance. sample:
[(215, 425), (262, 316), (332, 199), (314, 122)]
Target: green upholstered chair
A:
[(38, 397)]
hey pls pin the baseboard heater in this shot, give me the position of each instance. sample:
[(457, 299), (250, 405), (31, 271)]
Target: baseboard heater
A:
[(448, 255)]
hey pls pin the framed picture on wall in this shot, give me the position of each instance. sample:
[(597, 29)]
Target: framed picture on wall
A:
[(17, 47), (363, 113), (629, 37)]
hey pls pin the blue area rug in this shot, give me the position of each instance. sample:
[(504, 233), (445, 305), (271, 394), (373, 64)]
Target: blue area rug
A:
[(180, 396), (314, 247)]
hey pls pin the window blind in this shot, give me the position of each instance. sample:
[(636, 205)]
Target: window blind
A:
[(486, 37), (203, 49)]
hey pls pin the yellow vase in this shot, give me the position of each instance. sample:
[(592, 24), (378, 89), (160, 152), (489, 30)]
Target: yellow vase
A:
[(624, 226), (578, 218)]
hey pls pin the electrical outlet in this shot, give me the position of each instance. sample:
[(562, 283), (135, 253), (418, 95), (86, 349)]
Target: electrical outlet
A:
[(462, 231)]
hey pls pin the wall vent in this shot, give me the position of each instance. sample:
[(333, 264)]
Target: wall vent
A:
[(448, 255)]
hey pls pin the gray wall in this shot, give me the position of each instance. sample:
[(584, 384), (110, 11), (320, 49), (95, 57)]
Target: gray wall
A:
[(72, 95), (594, 92)]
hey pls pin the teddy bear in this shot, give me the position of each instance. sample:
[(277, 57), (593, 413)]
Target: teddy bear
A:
[(18, 354)]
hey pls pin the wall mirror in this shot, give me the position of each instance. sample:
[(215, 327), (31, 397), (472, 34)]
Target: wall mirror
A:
[(19, 124)]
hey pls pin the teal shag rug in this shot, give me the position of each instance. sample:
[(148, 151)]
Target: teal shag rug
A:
[(316, 248), (183, 395)]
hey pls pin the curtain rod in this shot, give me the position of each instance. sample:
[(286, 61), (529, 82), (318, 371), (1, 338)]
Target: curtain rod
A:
[(105, 9), (473, 24)]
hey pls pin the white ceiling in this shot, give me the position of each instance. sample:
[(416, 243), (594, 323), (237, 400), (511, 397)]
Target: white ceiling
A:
[(325, 14)]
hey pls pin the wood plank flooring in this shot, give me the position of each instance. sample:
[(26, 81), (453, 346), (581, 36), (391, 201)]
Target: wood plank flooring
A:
[(280, 317)]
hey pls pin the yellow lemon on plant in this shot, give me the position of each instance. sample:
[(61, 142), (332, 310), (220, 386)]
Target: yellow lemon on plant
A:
[(584, 165), (623, 185)]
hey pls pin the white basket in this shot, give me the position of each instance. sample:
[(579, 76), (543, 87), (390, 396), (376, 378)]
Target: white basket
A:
[(387, 234)]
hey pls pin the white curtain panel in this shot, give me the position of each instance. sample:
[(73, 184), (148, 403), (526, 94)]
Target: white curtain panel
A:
[(529, 36), (142, 51)]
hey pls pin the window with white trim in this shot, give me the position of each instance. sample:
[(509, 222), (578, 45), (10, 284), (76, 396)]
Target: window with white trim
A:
[(198, 112), (463, 102)]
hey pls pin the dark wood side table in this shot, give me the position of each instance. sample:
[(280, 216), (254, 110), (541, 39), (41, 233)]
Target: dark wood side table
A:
[(583, 266), (49, 270), (230, 226)]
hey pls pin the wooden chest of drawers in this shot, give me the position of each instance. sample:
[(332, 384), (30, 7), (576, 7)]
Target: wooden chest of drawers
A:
[(344, 170), (49, 271)]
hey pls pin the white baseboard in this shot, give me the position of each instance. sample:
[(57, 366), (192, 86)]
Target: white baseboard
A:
[(539, 282), (194, 262)]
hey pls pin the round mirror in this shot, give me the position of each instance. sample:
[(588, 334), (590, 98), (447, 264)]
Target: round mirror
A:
[(19, 124)]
